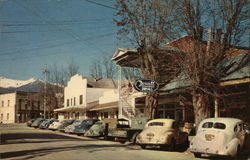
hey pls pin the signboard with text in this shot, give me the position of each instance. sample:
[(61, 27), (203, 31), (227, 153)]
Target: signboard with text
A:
[(146, 85)]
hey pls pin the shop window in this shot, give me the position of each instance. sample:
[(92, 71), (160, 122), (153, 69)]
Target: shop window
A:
[(38, 105), (106, 115), (80, 99), (67, 102), (20, 103)]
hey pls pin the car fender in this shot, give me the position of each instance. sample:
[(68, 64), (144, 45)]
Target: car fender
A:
[(232, 146)]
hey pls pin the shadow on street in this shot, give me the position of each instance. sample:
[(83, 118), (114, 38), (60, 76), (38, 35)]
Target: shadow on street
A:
[(10, 138), (44, 151)]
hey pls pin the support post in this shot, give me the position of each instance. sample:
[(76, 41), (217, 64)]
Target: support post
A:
[(119, 91), (216, 108)]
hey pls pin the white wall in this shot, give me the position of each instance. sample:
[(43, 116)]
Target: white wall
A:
[(8, 108), (76, 86), (93, 94), (109, 96)]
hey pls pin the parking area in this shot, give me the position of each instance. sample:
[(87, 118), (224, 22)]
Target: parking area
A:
[(21, 142)]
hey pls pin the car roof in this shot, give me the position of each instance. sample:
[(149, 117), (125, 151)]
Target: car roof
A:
[(225, 120), (166, 121)]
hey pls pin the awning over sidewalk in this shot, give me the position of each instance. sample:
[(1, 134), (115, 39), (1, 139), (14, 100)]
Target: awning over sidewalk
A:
[(78, 108), (110, 105)]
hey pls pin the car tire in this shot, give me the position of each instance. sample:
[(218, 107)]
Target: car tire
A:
[(133, 139), (237, 156), (143, 146), (172, 145), (197, 155)]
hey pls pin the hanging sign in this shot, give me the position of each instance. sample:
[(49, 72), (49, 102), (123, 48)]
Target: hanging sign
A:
[(146, 85)]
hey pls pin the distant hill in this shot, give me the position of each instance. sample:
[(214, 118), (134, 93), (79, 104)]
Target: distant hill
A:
[(30, 85)]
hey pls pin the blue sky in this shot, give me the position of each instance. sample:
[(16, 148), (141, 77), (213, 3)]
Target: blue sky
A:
[(34, 33)]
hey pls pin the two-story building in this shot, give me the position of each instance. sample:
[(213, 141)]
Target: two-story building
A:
[(18, 107), (83, 98)]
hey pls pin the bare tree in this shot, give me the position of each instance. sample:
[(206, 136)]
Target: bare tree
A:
[(103, 68), (72, 68), (96, 70), (131, 73), (204, 62), (56, 78), (148, 24)]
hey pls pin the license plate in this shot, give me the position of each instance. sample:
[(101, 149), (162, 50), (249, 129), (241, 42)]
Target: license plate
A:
[(209, 137), (150, 134)]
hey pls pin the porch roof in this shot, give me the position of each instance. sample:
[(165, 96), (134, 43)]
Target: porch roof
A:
[(78, 108), (110, 105)]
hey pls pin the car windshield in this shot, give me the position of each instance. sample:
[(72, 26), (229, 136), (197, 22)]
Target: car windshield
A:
[(216, 125), (156, 124), (77, 123)]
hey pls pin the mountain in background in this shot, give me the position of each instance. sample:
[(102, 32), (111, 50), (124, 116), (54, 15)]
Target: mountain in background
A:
[(30, 85)]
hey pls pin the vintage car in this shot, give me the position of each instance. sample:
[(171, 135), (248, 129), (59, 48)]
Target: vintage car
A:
[(80, 126), (29, 122), (54, 126), (84, 126), (64, 124), (45, 124), (220, 136), (37, 122), (122, 130), (164, 133), (97, 130)]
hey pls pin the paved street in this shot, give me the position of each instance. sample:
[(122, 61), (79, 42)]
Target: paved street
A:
[(21, 142)]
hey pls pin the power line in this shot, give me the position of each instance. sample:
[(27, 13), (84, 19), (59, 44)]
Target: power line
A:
[(17, 46), (31, 31), (56, 45), (77, 38), (39, 24), (100, 4)]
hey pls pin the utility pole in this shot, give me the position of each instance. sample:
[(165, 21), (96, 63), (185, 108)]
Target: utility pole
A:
[(45, 72)]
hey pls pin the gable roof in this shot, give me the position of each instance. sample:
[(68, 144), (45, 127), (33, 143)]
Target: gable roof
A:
[(101, 82)]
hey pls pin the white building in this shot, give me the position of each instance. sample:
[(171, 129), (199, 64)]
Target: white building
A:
[(83, 94)]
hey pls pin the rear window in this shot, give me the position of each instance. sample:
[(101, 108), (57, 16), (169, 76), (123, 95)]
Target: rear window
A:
[(219, 125), (207, 125), (216, 125), (156, 124)]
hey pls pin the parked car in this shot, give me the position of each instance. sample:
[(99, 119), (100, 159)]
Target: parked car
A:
[(37, 122), (164, 133), (84, 126), (53, 126), (220, 136), (45, 124), (64, 124), (96, 130), (29, 122), (121, 130), (80, 126)]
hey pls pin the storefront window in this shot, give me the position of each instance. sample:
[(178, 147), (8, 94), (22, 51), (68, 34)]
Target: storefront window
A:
[(80, 99)]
